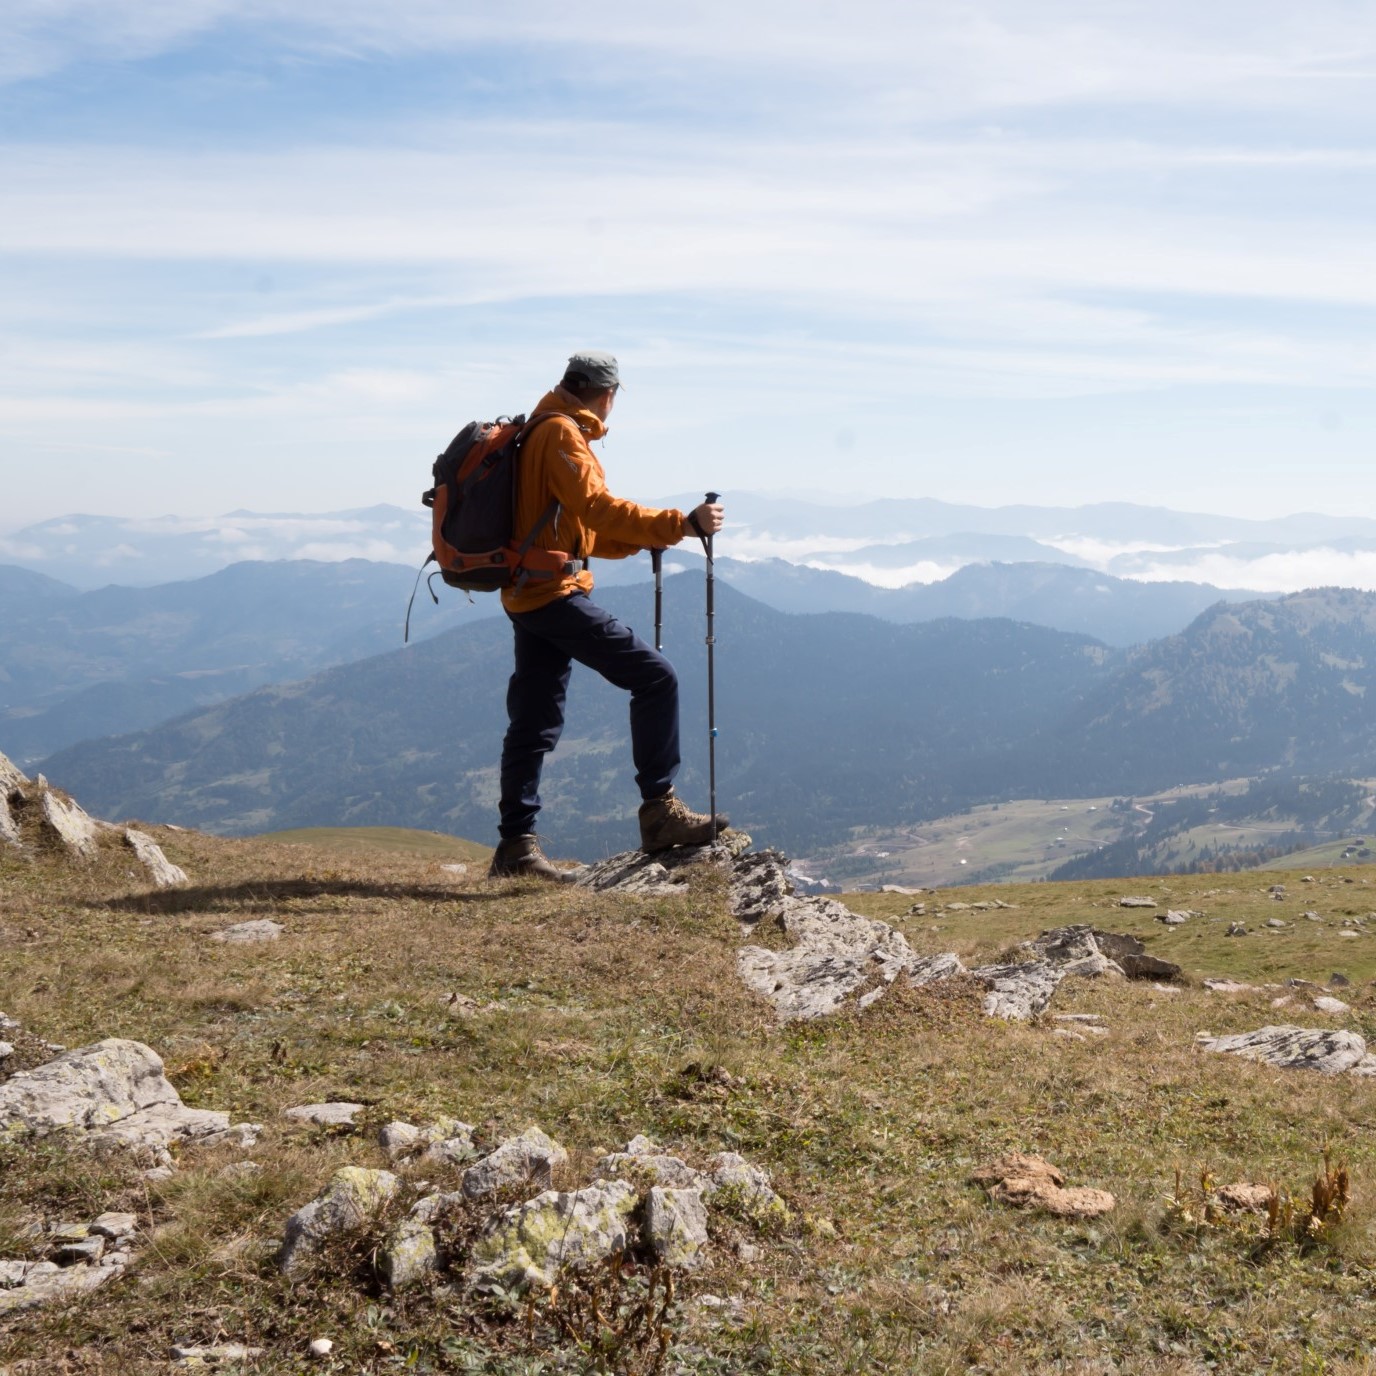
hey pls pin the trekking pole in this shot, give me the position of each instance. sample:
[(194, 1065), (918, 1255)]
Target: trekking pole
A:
[(657, 563), (712, 497)]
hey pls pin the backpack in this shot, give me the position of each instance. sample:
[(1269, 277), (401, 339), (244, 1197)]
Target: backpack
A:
[(473, 506)]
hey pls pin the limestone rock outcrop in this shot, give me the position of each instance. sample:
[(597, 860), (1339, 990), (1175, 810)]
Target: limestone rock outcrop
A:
[(113, 1091), (1330, 1051)]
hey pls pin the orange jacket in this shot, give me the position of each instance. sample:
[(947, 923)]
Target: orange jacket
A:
[(557, 463)]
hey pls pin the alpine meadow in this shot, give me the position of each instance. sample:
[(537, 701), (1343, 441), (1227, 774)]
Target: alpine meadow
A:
[(687, 691)]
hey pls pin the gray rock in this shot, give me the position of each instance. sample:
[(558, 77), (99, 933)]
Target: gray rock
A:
[(1325, 1003), (1228, 986), (1236, 929), (1173, 918), (435, 1206), (353, 1195), (340, 1114), (1138, 903), (116, 1091), (675, 1227), (644, 1168), (749, 1185), (86, 1252), (264, 929), (115, 1226), (398, 1139), (9, 827), (529, 1159), (1276, 923), (527, 1244), (409, 1254), (67, 824), (11, 776), (163, 873), (1326, 1050), (1074, 951), (1338, 981), (1018, 992), (451, 1151), (6, 1051), (837, 956), (54, 1287)]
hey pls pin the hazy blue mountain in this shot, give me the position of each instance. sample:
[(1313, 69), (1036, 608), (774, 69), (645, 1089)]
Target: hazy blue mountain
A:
[(1118, 611), (824, 721), (1288, 684), (74, 666), (89, 551), (828, 722), (78, 665)]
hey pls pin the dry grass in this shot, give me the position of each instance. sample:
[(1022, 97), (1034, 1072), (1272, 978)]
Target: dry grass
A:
[(599, 1017)]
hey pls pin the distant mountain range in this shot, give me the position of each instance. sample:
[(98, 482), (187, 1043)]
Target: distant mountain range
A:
[(828, 722), (78, 665), (890, 542)]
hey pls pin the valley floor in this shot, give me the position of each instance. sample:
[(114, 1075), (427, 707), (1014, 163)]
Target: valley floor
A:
[(418, 990)]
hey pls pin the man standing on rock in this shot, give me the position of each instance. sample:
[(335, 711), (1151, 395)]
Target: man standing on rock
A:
[(557, 622)]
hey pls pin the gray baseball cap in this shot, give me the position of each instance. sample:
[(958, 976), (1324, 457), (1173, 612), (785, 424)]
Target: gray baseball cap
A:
[(597, 366)]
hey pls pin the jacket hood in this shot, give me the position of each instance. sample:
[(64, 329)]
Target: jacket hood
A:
[(557, 399)]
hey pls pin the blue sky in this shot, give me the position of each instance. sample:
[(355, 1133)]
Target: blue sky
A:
[(271, 254)]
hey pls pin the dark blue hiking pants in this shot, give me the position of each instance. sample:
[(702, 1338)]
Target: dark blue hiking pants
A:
[(548, 641)]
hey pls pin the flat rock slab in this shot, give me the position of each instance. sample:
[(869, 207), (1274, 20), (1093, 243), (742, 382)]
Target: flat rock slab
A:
[(1018, 993), (264, 929), (116, 1091), (1138, 902), (66, 823), (55, 1287), (332, 1115), (163, 873), (1326, 1050)]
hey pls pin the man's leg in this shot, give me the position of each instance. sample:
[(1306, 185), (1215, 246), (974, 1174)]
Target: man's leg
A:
[(581, 630), (535, 717), (592, 636)]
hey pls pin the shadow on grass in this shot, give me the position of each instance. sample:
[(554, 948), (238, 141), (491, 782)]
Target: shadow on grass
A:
[(267, 893)]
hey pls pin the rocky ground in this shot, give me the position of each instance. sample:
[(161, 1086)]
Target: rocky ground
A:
[(267, 1109)]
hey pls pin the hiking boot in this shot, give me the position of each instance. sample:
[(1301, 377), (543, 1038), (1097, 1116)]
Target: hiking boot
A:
[(520, 857), (667, 822)]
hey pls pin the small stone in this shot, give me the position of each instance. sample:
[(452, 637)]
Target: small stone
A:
[(676, 1227), (1276, 923), (1132, 902), (1338, 981), (1311, 917), (352, 1195), (1173, 918), (335, 1114), (396, 1139), (530, 1158), (264, 929), (409, 1253), (1325, 1003), (454, 869), (113, 1225), (1236, 929), (6, 1051), (163, 873), (1077, 1017), (321, 1347)]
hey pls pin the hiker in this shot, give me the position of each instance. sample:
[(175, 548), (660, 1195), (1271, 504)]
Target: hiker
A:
[(556, 622)]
